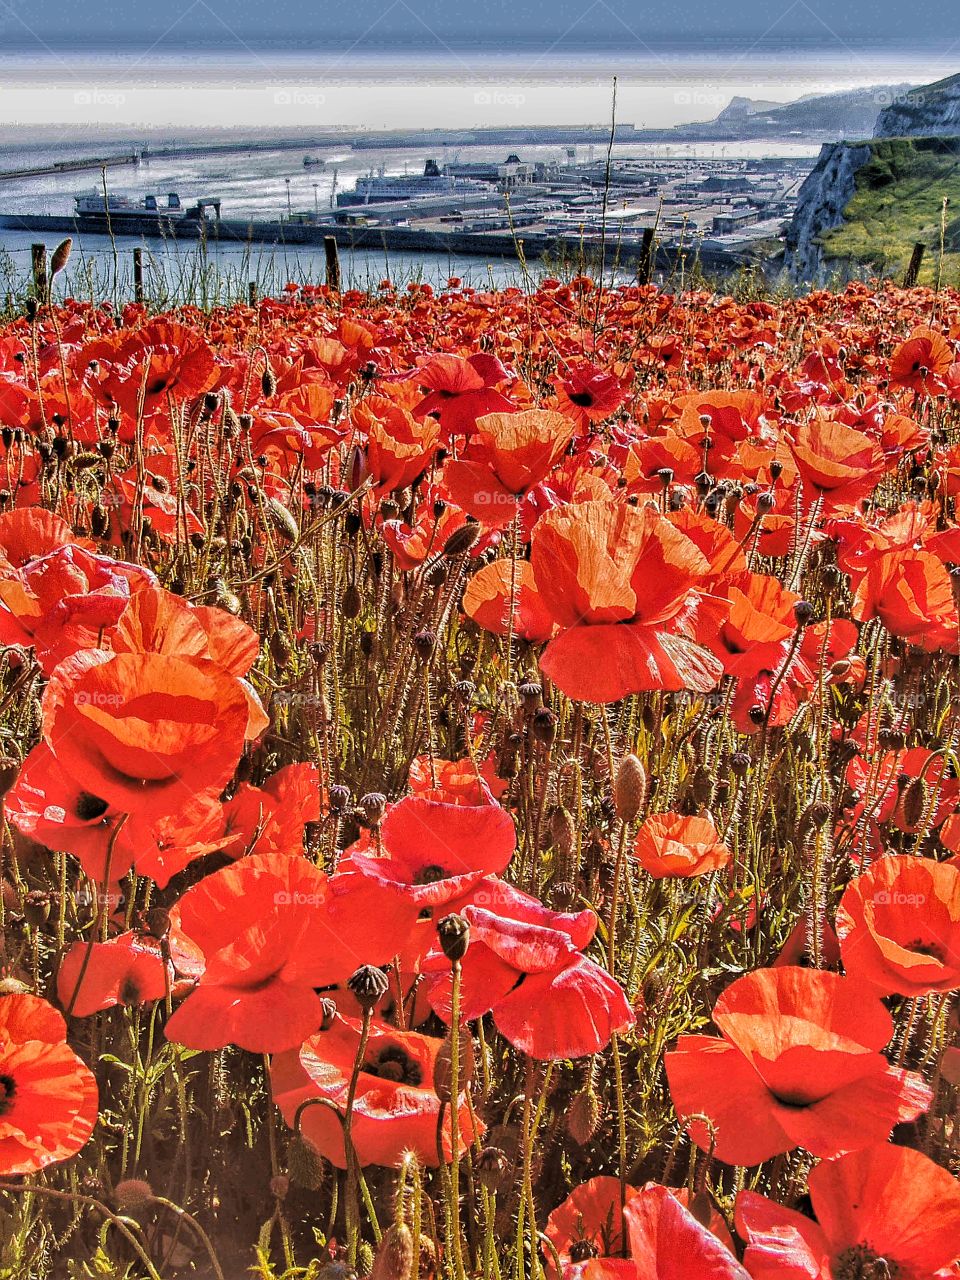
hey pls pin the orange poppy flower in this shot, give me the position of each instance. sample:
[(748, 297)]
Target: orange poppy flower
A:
[(461, 390), (670, 844), (396, 1107), (667, 1242), (48, 1097), (488, 595), (618, 581), (397, 447), (911, 593), (899, 926), (127, 970), (836, 462), (797, 1064)]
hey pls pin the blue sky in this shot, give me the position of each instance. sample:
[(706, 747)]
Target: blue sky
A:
[(567, 24)]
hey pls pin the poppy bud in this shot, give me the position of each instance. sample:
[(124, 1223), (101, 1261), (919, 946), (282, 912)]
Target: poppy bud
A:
[(461, 540), (562, 831), (99, 521), (702, 786), (9, 768), (283, 520), (372, 807), (914, 801), (268, 382), (394, 1257), (304, 1165), (583, 1116), (454, 934), (351, 602), (280, 648), (442, 1075), (364, 1258), (803, 611), (545, 726), (133, 1193), (629, 788), (369, 986)]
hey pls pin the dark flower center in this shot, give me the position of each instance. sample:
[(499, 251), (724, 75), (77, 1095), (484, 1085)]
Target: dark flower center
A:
[(8, 1089), (89, 807), (430, 875), (583, 1250), (861, 1263), (393, 1063), (129, 991), (924, 947), (582, 398)]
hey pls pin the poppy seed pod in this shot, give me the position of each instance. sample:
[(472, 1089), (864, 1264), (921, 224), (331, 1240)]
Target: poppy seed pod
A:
[(629, 788), (492, 1167), (424, 642), (268, 383), (740, 763), (369, 986), (372, 807), (339, 798), (36, 907), (454, 934), (545, 726), (803, 611), (531, 697)]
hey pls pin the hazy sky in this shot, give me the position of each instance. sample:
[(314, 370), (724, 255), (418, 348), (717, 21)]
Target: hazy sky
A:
[(569, 23)]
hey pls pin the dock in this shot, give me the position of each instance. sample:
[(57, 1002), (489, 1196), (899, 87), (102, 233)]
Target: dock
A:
[(627, 251), (70, 166)]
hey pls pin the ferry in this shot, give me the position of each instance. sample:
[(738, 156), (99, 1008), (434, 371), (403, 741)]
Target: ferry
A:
[(96, 204), (314, 162), (375, 188)]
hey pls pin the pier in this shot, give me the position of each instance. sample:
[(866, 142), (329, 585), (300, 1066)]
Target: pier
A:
[(70, 166)]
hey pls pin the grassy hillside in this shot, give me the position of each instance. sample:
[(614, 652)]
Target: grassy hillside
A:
[(899, 200)]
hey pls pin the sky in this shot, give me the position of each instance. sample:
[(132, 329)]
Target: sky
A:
[(565, 24)]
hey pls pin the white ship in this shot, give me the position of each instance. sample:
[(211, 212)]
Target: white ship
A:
[(96, 204), (375, 188)]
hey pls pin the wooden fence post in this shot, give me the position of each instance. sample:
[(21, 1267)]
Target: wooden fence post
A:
[(647, 253), (252, 293), (41, 280), (913, 270), (333, 263)]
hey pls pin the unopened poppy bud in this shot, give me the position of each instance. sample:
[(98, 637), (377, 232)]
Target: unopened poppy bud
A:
[(268, 382), (629, 788), (914, 801), (61, 256), (283, 520), (9, 768), (583, 1115), (351, 602), (563, 833), (461, 540), (280, 648), (36, 907), (394, 1257), (803, 611), (369, 986), (304, 1164), (492, 1167), (545, 726), (364, 1258), (454, 934), (372, 807), (442, 1075), (702, 786), (133, 1193), (156, 922)]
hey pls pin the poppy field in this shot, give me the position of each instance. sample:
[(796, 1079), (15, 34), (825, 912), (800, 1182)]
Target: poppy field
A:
[(481, 786)]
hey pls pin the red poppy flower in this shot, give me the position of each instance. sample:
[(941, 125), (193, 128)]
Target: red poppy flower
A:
[(456, 781), (618, 581), (670, 844), (667, 1242), (899, 926), (32, 532), (397, 446), (461, 390), (145, 733), (911, 594), (48, 1097), (436, 852), (755, 633), (883, 1211), (262, 935), (836, 463), (396, 1107), (509, 454), (588, 394), (921, 362), (797, 1064), (125, 970), (487, 601)]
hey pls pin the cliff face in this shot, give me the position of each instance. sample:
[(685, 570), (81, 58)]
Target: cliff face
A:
[(931, 111), (821, 202)]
